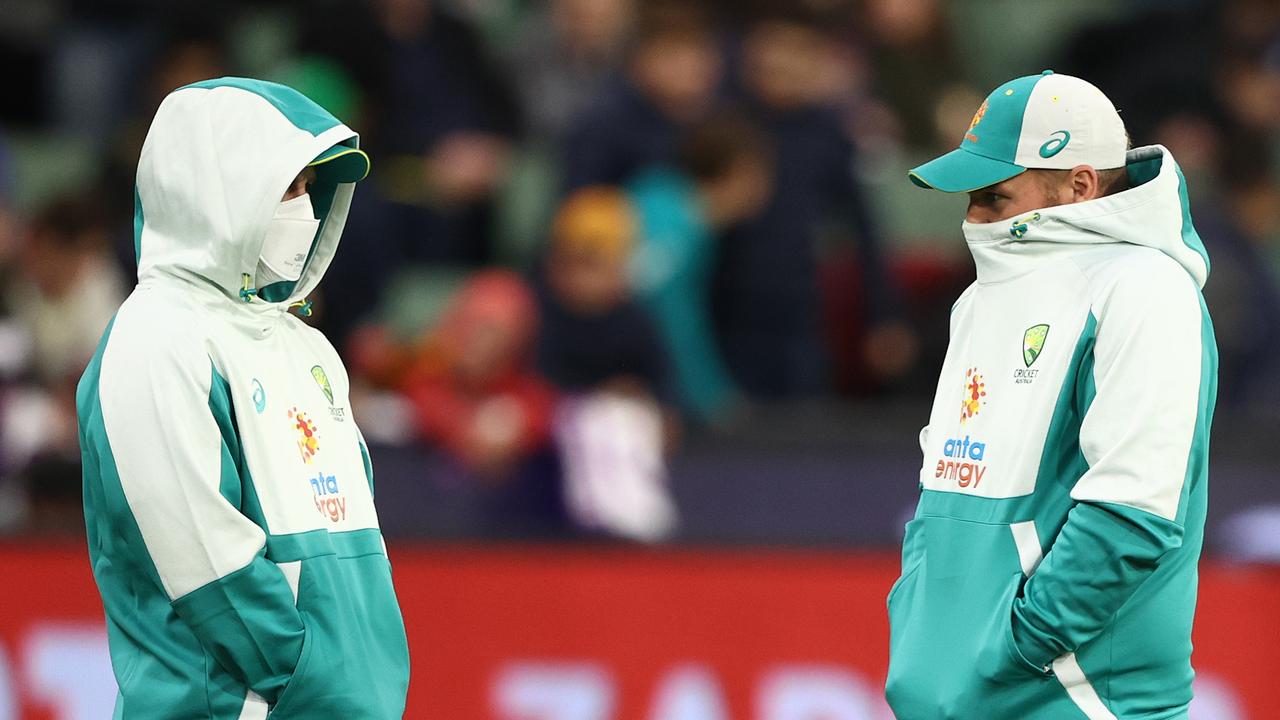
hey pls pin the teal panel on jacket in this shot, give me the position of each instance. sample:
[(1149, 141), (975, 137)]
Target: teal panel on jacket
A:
[(1157, 644), (139, 220), (237, 484), (158, 663), (962, 573), (368, 465), (350, 614), (299, 109)]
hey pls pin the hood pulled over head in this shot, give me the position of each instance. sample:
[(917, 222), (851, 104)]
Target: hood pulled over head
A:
[(216, 162)]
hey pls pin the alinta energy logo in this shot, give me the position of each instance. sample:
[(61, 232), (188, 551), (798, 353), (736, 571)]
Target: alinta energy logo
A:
[(328, 498), (975, 394), (964, 457), (308, 436), (964, 461)]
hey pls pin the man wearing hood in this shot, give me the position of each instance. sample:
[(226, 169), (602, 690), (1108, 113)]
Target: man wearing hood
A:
[(228, 492), (1050, 570)]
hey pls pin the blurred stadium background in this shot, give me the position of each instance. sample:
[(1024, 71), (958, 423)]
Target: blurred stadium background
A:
[(642, 318)]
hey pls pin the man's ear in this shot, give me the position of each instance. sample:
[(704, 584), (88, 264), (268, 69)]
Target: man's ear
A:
[(1085, 184)]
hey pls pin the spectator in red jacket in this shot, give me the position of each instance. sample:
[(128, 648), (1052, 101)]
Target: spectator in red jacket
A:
[(471, 383)]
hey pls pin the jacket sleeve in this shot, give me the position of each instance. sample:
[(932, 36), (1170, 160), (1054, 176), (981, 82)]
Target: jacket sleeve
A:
[(1145, 438), (167, 433)]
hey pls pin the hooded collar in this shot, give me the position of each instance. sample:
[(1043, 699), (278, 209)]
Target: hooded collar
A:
[(1154, 212), (217, 159)]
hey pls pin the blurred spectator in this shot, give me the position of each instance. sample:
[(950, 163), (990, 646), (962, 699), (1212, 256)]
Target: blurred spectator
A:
[(600, 347), (911, 49), (473, 395), (595, 336), (471, 384), (443, 118), (1244, 229), (1162, 62), (671, 78), (563, 57), (724, 176), (769, 308), (66, 290)]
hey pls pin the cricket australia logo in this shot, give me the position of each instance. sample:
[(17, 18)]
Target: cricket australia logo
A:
[(1033, 343), (308, 436), (322, 381), (975, 393)]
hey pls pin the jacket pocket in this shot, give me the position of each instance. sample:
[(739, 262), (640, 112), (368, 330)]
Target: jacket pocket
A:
[(353, 622), (912, 555), (295, 692), (949, 651), (999, 660)]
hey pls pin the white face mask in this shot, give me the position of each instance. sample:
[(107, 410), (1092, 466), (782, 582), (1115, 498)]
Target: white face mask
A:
[(288, 241)]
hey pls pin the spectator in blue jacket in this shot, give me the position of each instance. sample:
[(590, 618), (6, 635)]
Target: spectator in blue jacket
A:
[(670, 83)]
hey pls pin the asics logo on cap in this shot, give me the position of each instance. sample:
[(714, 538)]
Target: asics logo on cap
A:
[(1054, 144)]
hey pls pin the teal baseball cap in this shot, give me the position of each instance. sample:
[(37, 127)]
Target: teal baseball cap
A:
[(1047, 121), (342, 163)]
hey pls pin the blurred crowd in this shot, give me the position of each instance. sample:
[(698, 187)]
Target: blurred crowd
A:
[(596, 228)]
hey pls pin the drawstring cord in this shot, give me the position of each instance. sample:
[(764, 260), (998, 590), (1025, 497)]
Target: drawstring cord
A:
[(248, 292)]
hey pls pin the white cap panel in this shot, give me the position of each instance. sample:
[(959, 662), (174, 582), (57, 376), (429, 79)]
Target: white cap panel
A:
[(1073, 123)]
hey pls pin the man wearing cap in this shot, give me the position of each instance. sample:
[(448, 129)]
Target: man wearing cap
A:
[(1050, 570), (228, 492)]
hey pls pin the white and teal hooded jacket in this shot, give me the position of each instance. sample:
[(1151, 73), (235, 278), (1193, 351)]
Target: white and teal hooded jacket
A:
[(1050, 570), (228, 493)]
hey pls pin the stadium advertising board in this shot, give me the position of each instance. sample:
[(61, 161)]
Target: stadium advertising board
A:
[(521, 633)]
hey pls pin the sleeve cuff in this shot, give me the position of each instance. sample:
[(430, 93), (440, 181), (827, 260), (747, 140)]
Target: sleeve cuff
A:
[(1026, 648)]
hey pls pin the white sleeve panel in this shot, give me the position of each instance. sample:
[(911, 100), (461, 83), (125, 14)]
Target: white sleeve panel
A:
[(1137, 434), (154, 390)]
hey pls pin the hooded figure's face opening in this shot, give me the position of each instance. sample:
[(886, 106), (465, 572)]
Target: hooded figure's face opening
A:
[(290, 235), (301, 184)]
